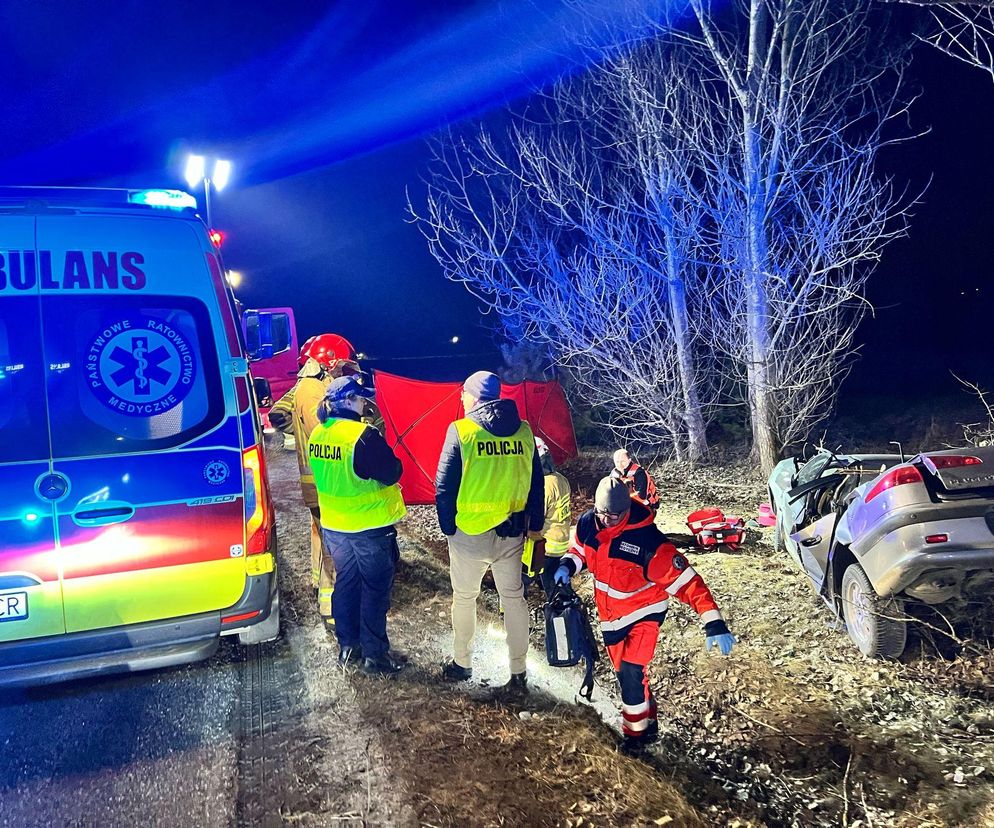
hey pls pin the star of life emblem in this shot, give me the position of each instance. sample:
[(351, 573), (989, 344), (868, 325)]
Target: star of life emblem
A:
[(140, 366)]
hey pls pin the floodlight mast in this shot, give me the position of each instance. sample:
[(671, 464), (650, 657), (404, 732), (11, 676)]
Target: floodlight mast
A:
[(196, 172)]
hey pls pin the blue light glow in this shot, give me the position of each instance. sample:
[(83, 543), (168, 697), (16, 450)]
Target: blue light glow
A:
[(31, 517), (170, 199)]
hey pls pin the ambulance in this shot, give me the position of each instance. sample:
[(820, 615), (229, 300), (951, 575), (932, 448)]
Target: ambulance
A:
[(136, 522)]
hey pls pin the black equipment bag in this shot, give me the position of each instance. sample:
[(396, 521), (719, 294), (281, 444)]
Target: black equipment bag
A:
[(568, 635)]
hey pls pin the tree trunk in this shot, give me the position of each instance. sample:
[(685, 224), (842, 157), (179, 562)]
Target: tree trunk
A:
[(761, 401), (697, 445)]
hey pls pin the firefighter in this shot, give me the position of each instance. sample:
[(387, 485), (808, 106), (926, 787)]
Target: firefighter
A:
[(355, 476), (636, 478), (489, 494), (545, 557), (636, 572), (320, 362)]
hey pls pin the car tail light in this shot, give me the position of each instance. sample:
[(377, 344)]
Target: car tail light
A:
[(936, 538), (256, 507), (895, 477), (952, 461)]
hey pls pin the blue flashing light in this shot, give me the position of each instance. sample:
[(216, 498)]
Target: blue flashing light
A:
[(170, 199), (31, 517)]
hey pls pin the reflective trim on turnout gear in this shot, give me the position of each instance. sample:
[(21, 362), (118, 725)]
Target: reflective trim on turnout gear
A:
[(617, 593), (638, 615), (496, 475), (688, 574), (710, 615), (347, 502)]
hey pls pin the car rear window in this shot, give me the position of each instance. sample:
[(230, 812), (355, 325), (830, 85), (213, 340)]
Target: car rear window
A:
[(129, 373), (22, 382)]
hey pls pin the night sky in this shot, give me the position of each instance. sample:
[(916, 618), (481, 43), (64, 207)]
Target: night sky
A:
[(324, 114)]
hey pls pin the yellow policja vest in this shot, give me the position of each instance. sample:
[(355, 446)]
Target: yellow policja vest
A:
[(347, 502), (496, 475)]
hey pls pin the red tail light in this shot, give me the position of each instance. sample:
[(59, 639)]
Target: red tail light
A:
[(217, 238), (952, 461), (936, 538), (895, 477), (256, 505)]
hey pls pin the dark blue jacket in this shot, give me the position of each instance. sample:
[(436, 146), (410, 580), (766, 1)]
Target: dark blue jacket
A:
[(500, 418)]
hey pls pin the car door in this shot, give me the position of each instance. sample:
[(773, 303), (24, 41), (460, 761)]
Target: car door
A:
[(30, 586), (153, 525), (813, 544)]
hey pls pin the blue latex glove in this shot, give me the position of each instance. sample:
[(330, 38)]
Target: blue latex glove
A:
[(561, 576), (723, 642)]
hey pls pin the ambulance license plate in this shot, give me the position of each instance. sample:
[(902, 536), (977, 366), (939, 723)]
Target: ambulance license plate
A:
[(13, 606)]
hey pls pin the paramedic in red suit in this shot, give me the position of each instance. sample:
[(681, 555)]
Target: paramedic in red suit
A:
[(640, 483), (636, 573)]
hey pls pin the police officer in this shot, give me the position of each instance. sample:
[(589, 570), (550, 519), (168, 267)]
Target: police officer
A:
[(322, 358), (356, 474), (489, 494)]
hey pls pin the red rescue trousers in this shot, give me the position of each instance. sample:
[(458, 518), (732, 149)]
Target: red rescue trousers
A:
[(630, 656)]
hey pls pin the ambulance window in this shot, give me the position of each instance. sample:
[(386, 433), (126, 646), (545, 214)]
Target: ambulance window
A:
[(22, 382), (129, 373)]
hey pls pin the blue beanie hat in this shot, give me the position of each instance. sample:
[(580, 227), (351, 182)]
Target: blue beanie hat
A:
[(483, 385)]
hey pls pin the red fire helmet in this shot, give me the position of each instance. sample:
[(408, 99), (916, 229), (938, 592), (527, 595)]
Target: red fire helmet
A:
[(326, 349)]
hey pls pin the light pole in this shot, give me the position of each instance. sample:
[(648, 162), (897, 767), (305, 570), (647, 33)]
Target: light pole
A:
[(196, 171)]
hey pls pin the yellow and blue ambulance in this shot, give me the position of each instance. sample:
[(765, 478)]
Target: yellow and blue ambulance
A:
[(136, 523)]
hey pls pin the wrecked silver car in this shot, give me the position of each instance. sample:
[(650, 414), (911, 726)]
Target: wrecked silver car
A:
[(875, 531)]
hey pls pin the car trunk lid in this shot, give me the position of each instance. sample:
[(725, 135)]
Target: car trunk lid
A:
[(962, 470)]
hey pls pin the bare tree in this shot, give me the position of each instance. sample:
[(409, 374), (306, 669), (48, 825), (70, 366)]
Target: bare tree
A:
[(584, 211), (705, 198), (529, 230), (963, 30), (802, 94)]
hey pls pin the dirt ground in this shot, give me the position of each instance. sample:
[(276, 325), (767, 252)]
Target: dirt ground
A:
[(794, 728)]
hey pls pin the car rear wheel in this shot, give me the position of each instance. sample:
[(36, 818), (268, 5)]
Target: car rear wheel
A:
[(267, 630), (876, 625)]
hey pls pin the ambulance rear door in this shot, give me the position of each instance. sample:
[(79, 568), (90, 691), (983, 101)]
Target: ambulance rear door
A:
[(30, 588), (143, 421)]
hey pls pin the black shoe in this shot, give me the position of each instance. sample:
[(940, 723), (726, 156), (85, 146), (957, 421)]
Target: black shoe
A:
[(516, 687), (384, 664), (349, 655), (636, 745), (633, 745), (456, 672)]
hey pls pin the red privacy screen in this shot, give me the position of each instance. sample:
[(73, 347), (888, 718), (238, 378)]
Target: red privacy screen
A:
[(418, 413)]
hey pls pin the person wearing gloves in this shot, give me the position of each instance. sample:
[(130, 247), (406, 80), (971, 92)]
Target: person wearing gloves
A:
[(355, 475), (636, 573), (489, 495)]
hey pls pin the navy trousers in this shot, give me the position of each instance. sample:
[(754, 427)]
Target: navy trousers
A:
[(364, 564)]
